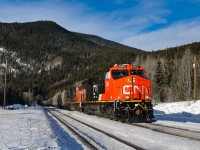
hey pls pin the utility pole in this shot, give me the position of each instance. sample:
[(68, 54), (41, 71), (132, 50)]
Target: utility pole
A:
[(195, 79), (4, 102)]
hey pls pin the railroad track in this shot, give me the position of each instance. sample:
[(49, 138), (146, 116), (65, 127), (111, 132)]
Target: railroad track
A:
[(180, 128), (185, 133), (83, 139), (171, 130), (99, 130)]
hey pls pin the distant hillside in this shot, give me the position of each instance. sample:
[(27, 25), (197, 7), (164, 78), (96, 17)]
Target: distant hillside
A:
[(179, 50), (45, 53), (40, 43), (43, 57), (106, 43), (49, 36)]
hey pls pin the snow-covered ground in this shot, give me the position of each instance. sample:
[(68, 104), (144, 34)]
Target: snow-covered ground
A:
[(151, 139), (31, 128), (183, 107), (182, 114)]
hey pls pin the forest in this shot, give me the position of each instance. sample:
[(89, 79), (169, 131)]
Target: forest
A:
[(43, 58)]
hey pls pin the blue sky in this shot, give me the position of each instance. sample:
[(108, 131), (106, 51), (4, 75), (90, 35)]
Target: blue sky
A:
[(145, 24)]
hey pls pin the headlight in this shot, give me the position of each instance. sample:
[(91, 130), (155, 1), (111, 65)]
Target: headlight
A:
[(134, 79)]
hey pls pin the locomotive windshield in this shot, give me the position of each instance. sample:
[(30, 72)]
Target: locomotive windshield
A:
[(80, 88), (119, 73), (137, 72)]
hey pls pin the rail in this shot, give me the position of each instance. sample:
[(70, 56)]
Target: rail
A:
[(108, 134)]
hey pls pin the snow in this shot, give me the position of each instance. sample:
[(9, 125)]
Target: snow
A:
[(100, 140), (187, 111), (52, 63), (179, 107), (12, 58), (1, 50), (184, 115), (15, 106), (180, 114), (34, 128)]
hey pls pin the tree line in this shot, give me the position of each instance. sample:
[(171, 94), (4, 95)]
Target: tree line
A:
[(80, 57), (172, 76)]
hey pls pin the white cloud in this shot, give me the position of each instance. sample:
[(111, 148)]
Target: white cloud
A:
[(79, 17), (174, 35), (72, 16)]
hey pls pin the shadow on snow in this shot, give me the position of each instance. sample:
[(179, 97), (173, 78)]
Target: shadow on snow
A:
[(178, 117), (65, 141)]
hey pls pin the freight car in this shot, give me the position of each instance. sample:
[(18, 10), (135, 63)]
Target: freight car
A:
[(123, 94), (58, 100)]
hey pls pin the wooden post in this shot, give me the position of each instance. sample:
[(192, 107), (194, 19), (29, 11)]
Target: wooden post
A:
[(195, 79), (4, 102)]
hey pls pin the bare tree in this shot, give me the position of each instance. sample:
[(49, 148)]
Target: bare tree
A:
[(182, 80)]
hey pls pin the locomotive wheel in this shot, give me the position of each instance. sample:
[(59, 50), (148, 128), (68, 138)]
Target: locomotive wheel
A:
[(112, 114), (127, 119), (148, 117), (122, 115)]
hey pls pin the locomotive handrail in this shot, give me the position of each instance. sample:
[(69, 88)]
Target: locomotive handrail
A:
[(135, 107)]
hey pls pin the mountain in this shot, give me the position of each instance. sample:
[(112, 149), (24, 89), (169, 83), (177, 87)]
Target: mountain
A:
[(48, 35), (43, 57), (43, 40), (45, 53), (106, 43)]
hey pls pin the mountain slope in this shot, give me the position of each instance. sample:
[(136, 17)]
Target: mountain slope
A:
[(103, 42), (43, 57), (47, 34), (45, 53), (39, 41)]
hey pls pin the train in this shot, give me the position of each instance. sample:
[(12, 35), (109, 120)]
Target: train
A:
[(123, 93)]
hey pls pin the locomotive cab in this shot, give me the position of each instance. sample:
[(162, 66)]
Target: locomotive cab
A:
[(126, 82)]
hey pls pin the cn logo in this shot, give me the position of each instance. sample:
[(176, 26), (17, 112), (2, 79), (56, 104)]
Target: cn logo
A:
[(127, 89)]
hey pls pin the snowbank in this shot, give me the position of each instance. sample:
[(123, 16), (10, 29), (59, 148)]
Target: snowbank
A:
[(16, 106), (179, 107), (194, 108), (185, 112)]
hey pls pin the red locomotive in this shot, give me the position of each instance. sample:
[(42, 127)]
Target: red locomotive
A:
[(124, 93)]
